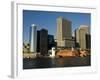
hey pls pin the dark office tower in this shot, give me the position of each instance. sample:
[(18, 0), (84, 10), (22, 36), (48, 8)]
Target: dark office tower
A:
[(51, 42), (38, 41), (88, 41), (43, 42)]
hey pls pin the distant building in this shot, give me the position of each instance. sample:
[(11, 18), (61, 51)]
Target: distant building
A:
[(64, 33), (82, 35), (33, 38), (26, 48), (73, 42), (51, 42), (38, 41), (43, 41), (88, 41)]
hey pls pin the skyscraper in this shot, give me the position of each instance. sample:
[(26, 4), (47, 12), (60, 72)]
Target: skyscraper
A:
[(51, 42), (88, 41), (64, 33), (43, 41), (33, 38), (38, 40), (82, 35)]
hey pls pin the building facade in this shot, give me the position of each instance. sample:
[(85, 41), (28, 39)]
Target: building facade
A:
[(64, 33), (38, 41), (43, 41), (88, 41), (33, 38), (51, 42), (82, 35)]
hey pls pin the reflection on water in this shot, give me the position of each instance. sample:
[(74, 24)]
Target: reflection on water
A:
[(56, 62)]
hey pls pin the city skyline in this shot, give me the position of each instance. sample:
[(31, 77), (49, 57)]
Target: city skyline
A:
[(48, 20)]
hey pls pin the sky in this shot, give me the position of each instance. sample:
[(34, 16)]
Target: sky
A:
[(48, 20)]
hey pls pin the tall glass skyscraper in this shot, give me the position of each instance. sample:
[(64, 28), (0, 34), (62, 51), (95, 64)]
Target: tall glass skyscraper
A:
[(33, 38)]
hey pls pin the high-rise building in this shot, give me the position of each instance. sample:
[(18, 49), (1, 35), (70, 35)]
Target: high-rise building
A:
[(82, 35), (43, 41), (38, 41), (64, 33), (88, 41), (33, 38), (51, 42)]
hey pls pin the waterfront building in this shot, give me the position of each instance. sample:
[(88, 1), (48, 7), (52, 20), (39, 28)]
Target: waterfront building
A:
[(51, 42), (82, 35), (88, 41), (43, 41), (33, 38), (64, 33), (38, 41), (53, 52)]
